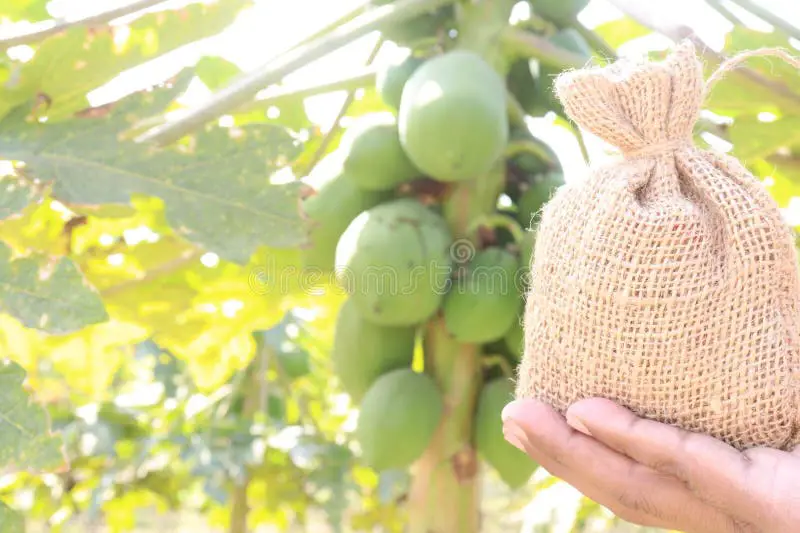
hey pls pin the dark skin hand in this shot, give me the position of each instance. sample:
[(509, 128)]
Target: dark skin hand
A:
[(655, 475)]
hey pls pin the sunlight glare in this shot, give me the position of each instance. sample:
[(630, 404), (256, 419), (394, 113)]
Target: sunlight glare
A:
[(520, 13), (766, 116), (230, 308), (209, 260), (115, 259), (22, 53)]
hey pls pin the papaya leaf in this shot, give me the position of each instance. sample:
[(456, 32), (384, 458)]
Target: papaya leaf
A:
[(737, 94), (69, 65), (32, 10), (15, 195), (754, 138), (619, 31), (779, 177), (10, 522), (216, 190), (25, 439), (61, 302), (215, 72)]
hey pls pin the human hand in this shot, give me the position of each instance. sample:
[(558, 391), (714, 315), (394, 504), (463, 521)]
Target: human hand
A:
[(656, 475)]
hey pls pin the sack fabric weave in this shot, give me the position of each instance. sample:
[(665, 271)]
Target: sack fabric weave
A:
[(666, 281)]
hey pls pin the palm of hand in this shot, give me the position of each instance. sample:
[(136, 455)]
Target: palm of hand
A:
[(659, 476)]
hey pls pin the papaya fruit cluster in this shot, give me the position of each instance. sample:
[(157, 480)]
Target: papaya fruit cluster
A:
[(379, 226)]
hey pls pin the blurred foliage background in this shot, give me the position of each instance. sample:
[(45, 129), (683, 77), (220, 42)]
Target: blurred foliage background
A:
[(138, 318)]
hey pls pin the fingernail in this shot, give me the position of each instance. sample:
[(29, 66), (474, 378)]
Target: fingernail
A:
[(514, 435), (577, 425)]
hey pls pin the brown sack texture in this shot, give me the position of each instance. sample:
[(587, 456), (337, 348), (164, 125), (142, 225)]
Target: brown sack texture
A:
[(665, 281)]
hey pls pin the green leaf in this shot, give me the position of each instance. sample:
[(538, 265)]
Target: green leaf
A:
[(753, 138), (15, 195), (620, 31), (216, 189), (33, 10), (70, 64), (25, 440), (781, 176), (10, 522), (59, 303), (215, 72), (737, 94)]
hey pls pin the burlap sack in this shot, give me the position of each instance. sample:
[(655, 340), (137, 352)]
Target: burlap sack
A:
[(666, 281)]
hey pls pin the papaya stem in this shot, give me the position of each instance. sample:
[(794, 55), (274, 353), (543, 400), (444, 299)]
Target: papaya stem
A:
[(498, 220), (724, 11), (244, 87), (356, 81), (336, 126), (445, 491), (526, 146), (53, 27), (526, 44), (255, 395), (337, 122), (516, 114), (360, 9), (502, 362), (596, 42), (770, 17)]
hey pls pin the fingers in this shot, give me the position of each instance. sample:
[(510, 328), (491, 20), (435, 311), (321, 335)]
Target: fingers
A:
[(712, 470), (553, 462), (632, 491)]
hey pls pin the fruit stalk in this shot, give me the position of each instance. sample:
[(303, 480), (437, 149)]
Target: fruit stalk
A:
[(445, 492)]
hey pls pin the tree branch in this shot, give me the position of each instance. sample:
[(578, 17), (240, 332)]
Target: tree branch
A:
[(246, 86), (52, 27)]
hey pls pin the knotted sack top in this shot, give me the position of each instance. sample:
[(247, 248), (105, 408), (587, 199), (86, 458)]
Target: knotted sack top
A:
[(646, 108)]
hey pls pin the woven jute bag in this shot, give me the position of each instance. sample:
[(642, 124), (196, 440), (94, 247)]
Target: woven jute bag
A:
[(665, 281)]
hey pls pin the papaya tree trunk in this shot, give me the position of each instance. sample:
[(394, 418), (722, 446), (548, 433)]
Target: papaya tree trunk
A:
[(445, 492), (445, 489)]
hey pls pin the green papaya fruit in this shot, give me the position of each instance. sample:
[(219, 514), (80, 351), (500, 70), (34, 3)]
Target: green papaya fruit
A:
[(539, 191), (363, 351), (424, 26), (394, 260), (336, 202), (514, 467), (391, 79), (559, 11), (482, 304), (374, 159), (295, 362), (452, 119), (398, 418)]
